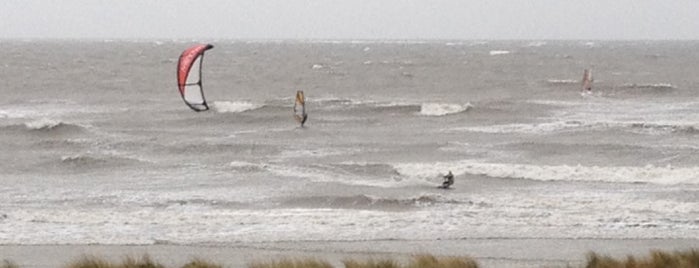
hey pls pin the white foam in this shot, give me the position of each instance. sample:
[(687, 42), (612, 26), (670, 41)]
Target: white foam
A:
[(235, 106), (243, 164), (322, 173), (499, 52), (623, 174), (534, 128), (43, 123), (651, 86), (562, 81), (510, 215), (317, 66), (440, 109), (316, 152)]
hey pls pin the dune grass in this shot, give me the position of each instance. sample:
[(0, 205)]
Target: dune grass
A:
[(386, 263), (418, 261), (656, 259), (199, 263), (8, 264), (292, 263), (128, 262), (429, 261)]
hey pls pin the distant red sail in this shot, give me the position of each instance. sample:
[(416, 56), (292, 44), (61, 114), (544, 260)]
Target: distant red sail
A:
[(189, 77)]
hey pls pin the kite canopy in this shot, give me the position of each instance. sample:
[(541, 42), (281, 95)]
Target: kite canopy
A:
[(189, 77)]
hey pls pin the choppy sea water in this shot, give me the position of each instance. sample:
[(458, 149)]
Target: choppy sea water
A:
[(96, 146)]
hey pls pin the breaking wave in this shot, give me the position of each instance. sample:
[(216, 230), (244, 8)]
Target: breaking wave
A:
[(368, 202), (396, 106), (616, 174), (649, 128), (659, 86), (562, 81), (534, 128), (375, 175), (46, 126), (499, 52), (440, 109), (235, 106), (559, 126), (367, 169)]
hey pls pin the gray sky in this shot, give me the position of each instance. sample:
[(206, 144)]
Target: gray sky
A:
[(351, 19)]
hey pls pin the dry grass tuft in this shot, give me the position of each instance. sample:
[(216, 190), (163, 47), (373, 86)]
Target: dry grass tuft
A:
[(371, 264), (199, 263), (429, 261), (657, 259), (87, 261), (292, 263), (129, 262), (144, 262), (8, 264)]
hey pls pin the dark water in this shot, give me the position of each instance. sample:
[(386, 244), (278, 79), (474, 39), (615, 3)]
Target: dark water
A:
[(97, 146)]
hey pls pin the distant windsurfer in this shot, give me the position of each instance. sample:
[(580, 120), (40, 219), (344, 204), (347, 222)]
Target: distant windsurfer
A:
[(448, 180), (587, 80), (301, 115), (303, 119)]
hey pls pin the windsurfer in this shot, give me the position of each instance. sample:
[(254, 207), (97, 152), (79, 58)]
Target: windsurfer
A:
[(587, 80), (300, 116)]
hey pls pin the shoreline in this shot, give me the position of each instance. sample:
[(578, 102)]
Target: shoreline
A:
[(487, 252)]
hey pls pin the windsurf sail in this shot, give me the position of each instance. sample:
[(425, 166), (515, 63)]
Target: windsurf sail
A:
[(189, 77), (587, 80), (300, 108)]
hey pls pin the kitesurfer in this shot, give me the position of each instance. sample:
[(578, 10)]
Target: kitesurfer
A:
[(448, 180)]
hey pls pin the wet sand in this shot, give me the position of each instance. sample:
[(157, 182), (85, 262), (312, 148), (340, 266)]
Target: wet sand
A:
[(488, 252)]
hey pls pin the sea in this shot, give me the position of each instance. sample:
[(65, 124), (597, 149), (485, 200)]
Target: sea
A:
[(98, 148)]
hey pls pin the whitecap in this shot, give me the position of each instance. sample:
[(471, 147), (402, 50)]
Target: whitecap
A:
[(43, 124), (618, 174), (562, 81), (651, 86), (499, 52), (235, 106), (440, 109)]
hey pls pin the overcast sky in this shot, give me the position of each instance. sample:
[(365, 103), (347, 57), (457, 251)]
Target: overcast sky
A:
[(351, 19)]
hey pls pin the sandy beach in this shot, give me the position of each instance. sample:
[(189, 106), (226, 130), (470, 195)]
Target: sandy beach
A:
[(488, 252)]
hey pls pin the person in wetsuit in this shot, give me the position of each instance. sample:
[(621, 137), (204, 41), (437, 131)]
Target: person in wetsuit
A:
[(448, 180)]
